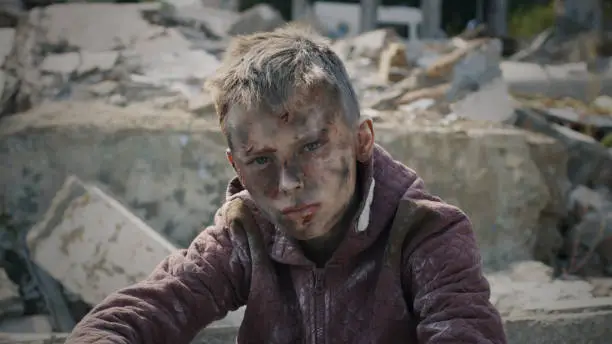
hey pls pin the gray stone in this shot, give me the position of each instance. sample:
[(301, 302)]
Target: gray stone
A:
[(369, 45), (27, 324), (201, 105), (10, 301), (478, 68), (33, 338), (586, 199), (79, 63), (164, 69), (214, 21), (556, 81), (104, 88), (490, 173), (587, 158), (94, 27), (93, 244), (7, 38), (168, 167), (580, 328), (490, 102), (259, 18)]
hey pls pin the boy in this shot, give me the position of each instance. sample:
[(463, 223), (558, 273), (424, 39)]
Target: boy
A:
[(323, 235)]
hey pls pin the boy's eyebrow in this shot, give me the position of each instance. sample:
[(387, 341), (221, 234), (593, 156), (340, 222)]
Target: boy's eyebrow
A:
[(250, 150), (314, 134)]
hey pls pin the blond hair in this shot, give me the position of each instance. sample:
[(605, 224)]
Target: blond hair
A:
[(269, 69)]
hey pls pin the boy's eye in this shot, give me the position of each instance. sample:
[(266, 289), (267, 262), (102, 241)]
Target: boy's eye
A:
[(262, 160), (312, 146)]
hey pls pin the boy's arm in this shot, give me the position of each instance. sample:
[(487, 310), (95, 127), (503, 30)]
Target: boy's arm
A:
[(186, 292), (451, 295)]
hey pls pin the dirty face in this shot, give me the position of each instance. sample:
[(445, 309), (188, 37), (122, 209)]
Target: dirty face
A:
[(299, 166)]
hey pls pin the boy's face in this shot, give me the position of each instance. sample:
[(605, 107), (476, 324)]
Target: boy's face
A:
[(299, 167)]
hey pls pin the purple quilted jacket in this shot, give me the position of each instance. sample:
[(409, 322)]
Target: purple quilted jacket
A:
[(418, 281)]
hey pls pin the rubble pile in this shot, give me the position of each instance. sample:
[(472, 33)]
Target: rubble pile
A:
[(116, 159), (126, 53)]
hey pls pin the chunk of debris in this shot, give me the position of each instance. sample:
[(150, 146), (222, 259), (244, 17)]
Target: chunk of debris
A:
[(367, 45), (33, 338), (393, 64), (445, 64), (93, 244), (526, 283), (259, 18), (478, 68), (215, 22), (587, 157), (583, 199), (201, 105), (104, 88), (79, 63), (10, 300), (492, 102), (26, 324)]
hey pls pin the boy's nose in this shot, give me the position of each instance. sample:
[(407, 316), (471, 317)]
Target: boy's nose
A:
[(289, 180)]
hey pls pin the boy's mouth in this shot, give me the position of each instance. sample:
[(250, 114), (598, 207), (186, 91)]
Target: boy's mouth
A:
[(301, 213)]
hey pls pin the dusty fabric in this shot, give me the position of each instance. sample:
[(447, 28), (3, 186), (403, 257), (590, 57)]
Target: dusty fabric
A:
[(380, 286)]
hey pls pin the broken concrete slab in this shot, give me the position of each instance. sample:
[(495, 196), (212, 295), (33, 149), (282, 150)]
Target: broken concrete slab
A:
[(33, 338), (587, 158), (393, 64), (367, 45), (168, 167), (582, 328), (444, 65), (556, 81), (488, 172), (86, 238), (79, 63), (583, 199), (164, 69), (259, 18), (478, 68), (7, 38), (10, 300), (57, 60), (40, 324), (213, 21), (93, 27), (491, 102), (539, 309)]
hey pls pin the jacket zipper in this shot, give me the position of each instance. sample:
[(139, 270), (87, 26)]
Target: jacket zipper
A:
[(319, 304)]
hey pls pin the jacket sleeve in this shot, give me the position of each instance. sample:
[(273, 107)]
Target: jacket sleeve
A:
[(186, 292), (450, 293)]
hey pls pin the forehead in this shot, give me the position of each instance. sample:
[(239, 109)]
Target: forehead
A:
[(305, 116)]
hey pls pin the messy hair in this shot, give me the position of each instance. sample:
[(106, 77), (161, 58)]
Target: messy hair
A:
[(270, 69)]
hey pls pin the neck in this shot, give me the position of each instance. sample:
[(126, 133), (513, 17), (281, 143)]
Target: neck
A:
[(320, 249)]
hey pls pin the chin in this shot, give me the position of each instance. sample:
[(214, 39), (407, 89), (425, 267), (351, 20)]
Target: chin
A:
[(306, 233)]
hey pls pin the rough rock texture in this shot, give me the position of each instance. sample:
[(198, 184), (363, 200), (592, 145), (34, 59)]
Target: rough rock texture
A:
[(489, 173), (67, 50), (168, 168), (85, 239)]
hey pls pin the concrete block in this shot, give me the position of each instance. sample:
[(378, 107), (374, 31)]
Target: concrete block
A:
[(168, 167), (487, 171), (27, 324), (579, 328), (92, 244), (33, 338)]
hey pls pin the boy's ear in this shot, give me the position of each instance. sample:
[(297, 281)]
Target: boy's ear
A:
[(365, 140), (230, 158)]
